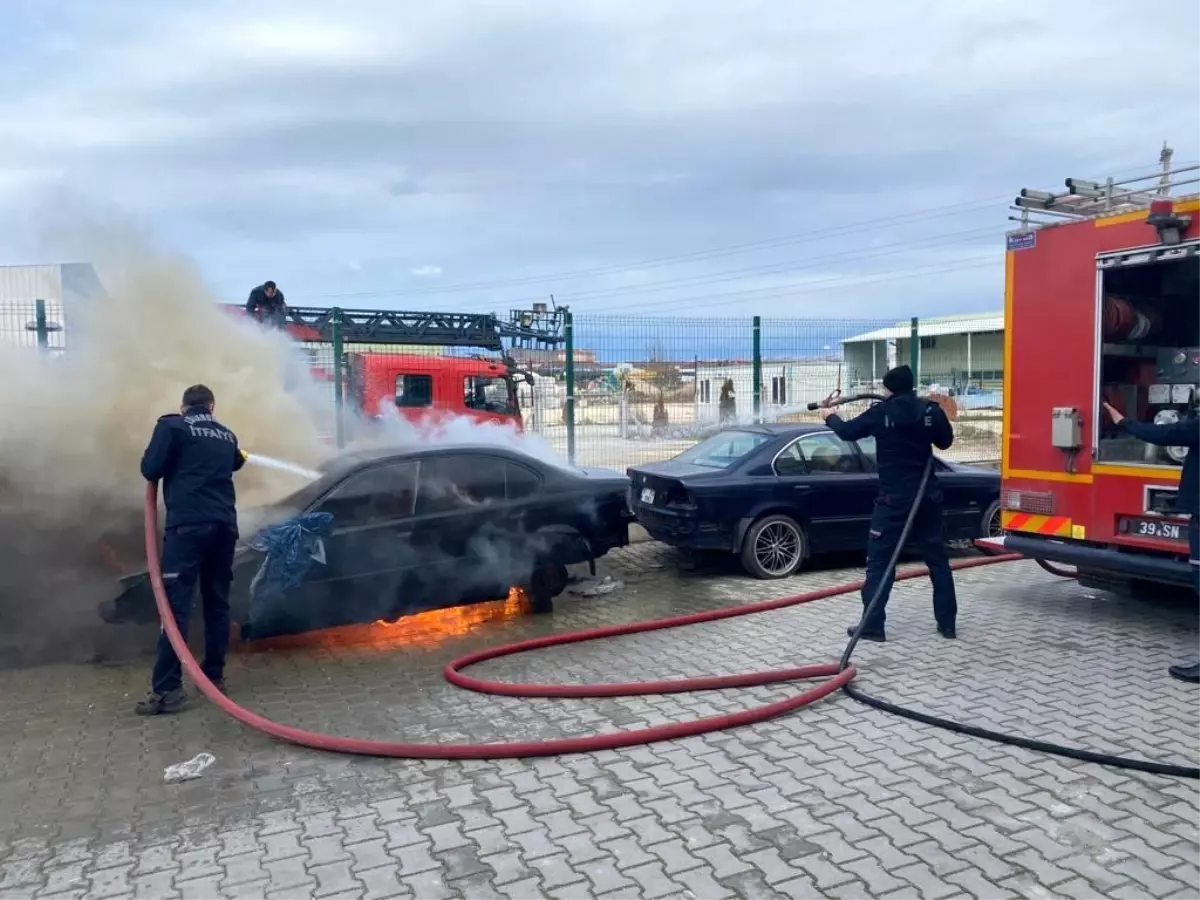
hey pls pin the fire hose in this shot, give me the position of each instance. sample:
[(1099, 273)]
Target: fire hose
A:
[(837, 676)]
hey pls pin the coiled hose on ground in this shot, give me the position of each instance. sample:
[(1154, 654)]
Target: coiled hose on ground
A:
[(836, 676)]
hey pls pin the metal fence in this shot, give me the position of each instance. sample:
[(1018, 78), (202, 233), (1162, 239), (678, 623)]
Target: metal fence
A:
[(615, 391)]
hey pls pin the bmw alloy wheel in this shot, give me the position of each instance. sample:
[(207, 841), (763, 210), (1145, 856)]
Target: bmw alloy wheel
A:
[(777, 548)]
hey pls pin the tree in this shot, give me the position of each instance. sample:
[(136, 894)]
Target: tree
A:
[(727, 404)]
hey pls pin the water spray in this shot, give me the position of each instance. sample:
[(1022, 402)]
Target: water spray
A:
[(280, 465)]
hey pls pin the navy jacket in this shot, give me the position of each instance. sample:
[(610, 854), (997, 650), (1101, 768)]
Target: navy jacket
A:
[(1184, 433), (906, 429), (194, 456), (259, 304)]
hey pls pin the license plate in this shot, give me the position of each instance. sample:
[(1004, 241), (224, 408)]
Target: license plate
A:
[(648, 495), (1150, 528)]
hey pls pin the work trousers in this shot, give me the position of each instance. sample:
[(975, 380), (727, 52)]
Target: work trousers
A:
[(192, 553), (887, 522)]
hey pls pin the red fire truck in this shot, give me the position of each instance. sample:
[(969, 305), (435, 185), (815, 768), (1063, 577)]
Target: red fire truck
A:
[(1102, 304), (424, 387)]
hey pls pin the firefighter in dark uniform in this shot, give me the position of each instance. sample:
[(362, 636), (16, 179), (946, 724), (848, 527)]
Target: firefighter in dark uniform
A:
[(194, 456), (1184, 433), (266, 305), (906, 429)]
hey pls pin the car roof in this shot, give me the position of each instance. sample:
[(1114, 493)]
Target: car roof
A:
[(351, 458), (779, 429)]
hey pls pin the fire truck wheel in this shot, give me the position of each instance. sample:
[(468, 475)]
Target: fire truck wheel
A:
[(774, 547), (545, 584)]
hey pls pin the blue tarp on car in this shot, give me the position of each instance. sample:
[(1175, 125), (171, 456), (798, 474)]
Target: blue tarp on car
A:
[(291, 550)]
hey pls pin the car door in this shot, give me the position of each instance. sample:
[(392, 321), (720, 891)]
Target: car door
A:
[(466, 537), (837, 493), (960, 502), (359, 565)]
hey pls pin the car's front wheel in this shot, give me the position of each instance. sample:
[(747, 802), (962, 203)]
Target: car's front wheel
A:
[(546, 583), (990, 525), (774, 547)]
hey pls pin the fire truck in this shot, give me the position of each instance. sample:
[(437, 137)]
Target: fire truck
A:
[(423, 386), (1102, 305)]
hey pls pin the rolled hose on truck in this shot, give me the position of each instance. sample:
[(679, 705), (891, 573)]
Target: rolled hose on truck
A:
[(836, 675)]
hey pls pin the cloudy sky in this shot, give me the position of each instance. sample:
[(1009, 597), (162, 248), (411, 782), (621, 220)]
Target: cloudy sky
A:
[(674, 157)]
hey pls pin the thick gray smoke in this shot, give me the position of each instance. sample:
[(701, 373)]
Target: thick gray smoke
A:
[(75, 426)]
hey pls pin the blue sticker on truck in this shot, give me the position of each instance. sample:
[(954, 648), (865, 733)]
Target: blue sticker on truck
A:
[(1022, 240)]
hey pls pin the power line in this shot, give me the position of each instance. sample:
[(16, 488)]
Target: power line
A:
[(833, 283), (949, 238), (935, 212)]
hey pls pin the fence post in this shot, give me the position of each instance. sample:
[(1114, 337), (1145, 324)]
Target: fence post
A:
[(914, 351), (569, 412), (756, 369), (40, 326), (339, 398)]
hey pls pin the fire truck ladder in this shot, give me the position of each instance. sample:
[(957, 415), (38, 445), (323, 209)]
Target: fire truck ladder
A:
[(536, 327), (1092, 199)]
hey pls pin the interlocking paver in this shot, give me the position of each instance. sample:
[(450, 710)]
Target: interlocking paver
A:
[(835, 800)]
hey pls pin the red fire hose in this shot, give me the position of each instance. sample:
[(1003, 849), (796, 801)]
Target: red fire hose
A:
[(835, 679)]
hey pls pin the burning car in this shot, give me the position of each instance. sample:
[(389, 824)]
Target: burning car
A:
[(387, 533)]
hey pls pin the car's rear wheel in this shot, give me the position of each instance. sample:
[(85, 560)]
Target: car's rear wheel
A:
[(990, 525), (774, 547), (546, 583)]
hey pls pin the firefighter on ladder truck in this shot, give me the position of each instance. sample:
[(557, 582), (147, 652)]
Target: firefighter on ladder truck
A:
[(1102, 376)]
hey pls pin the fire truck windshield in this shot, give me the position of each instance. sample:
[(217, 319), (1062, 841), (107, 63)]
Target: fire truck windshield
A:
[(489, 393)]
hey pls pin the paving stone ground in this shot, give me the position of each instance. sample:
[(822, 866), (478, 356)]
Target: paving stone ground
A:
[(836, 800)]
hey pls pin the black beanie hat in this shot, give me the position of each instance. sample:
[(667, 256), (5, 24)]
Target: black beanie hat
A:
[(899, 380)]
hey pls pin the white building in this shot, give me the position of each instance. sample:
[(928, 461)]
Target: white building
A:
[(953, 351), (58, 286), (787, 386)]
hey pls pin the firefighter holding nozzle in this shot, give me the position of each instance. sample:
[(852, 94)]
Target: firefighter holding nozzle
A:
[(1184, 433), (906, 429)]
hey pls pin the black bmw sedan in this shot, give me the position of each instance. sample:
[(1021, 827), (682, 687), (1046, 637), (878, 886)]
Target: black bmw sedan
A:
[(778, 494), (383, 534)]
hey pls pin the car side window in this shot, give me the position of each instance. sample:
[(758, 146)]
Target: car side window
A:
[(866, 447), (378, 494), (521, 482), (460, 483), (414, 391), (827, 454), (790, 461)]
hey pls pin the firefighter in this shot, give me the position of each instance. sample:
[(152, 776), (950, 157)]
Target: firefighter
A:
[(194, 456), (1184, 433), (906, 429), (266, 304)]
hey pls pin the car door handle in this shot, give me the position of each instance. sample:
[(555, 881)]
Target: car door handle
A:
[(801, 487)]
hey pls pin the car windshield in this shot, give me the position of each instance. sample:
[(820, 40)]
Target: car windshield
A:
[(723, 450)]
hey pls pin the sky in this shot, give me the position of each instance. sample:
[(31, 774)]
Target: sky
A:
[(684, 159)]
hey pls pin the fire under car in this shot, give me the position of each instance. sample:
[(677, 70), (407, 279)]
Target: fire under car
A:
[(778, 494), (384, 534)]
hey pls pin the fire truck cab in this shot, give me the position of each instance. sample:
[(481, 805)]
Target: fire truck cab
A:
[(1102, 304), (422, 387)]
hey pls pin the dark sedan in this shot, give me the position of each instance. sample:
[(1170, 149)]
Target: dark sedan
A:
[(777, 495), (385, 534)]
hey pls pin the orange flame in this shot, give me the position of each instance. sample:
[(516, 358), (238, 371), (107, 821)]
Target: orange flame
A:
[(425, 630)]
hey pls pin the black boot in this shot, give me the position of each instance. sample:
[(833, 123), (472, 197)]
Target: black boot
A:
[(1190, 674), (877, 636), (947, 633), (153, 704)]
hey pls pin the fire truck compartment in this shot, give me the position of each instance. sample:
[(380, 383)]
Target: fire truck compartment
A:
[(1149, 353)]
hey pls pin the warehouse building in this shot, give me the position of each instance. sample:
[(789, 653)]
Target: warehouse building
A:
[(953, 351)]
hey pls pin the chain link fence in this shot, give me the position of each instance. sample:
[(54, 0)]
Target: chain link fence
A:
[(613, 391)]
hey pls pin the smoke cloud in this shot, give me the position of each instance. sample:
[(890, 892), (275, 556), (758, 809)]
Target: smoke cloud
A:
[(76, 423)]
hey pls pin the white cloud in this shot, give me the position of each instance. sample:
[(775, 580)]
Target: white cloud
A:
[(520, 139)]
